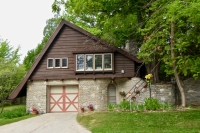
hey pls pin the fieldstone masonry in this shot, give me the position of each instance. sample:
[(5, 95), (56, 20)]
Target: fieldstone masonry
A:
[(192, 91), (95, 92), (162, 92)]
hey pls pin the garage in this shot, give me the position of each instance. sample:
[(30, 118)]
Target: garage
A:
[(63, 98)]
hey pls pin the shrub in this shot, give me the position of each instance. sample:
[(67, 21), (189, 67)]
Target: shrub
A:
[(140, 107), (152, 104), (167, 106), (124, 105), (16, 112), (7, 103), (112, 107)]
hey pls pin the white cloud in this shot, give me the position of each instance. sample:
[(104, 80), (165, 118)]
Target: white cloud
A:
[(22, 22)]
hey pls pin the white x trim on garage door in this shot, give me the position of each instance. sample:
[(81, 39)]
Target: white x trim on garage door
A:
[(64, 98)]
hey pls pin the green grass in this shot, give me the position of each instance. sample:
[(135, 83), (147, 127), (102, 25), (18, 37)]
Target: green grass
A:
[(143, 122), (13, 113)]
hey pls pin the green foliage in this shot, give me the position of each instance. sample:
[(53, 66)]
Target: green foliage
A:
[(149, 104), (157, 32), (14, 113), (152, 104), (7, 104), (7, 119), (115, 21), (11, 71), (112, 107), (167, 106), (124, 105)]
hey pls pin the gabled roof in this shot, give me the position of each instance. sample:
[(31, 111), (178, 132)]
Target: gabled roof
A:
[(18, 90)]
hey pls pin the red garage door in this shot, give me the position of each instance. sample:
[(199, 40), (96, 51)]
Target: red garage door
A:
[(63, 99)]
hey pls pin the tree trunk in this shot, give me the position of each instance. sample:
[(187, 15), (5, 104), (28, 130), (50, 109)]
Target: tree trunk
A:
[(178, 81), (153, 68)]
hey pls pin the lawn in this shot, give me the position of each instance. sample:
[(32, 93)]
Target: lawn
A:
[(187, 121), (14, 113)]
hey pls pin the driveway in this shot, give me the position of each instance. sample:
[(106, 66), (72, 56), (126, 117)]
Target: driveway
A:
[(46, 123)]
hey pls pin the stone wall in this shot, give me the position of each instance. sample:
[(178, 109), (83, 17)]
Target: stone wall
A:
[(90, 91), (95, 92), (161, 92), (36, 95), (192, 91)]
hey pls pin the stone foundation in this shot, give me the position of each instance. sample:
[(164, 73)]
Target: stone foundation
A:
[(93, 91)]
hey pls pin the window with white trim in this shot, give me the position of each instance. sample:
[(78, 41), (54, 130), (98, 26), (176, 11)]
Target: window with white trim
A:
[(107, 62), (98, 61), (94, 62), (64, 63), (88, 62), (80, 62), (50, 63), (57, 63)]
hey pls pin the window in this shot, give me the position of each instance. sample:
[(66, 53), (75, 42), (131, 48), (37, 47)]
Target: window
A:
[(80, 62), (98, 62), (50, 63), (94, 62), (89, 62), (107, 62), (111, 94), (64, 63), (57, 63)]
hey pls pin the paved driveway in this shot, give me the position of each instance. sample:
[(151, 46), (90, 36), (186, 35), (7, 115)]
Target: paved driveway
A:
[(46, 123)]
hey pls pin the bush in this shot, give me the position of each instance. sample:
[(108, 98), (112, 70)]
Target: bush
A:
[(152, 104), (7, 103), (16, 112), (112, 107), (124, 105), (167, 106)]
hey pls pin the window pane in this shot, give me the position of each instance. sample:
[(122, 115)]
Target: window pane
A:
[(107, 61), (98, 62), (89, 62), (57, 62), (64, 62), (50, 62), (111, 94), (80, 62)]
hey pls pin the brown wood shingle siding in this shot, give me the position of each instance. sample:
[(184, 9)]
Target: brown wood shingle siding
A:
[(69, 40)]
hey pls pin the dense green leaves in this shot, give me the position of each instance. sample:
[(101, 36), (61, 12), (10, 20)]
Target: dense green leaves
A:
[(11, 72), (157, 32), (113, 20)]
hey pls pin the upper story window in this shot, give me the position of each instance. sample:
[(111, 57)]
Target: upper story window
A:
[(89, 62), (50, 63), (64, 63), (107, 61), (94, 62), (57, 63), (80, 62)]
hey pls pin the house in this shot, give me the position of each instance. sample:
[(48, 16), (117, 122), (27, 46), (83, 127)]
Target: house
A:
[(76, 69)]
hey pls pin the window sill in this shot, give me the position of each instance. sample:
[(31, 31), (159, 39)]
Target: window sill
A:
[(94, 72)]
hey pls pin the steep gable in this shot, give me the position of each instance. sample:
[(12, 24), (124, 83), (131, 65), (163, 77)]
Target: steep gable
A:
[(67, 37)]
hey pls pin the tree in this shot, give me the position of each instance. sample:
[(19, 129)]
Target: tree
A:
[(174, 30), (11, 72), (116, 21)]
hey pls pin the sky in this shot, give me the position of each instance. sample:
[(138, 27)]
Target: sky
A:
[(22, 22)]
